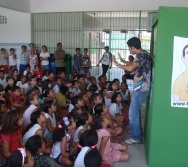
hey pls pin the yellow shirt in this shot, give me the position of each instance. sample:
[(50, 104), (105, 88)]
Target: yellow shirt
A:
[(181, 87), (61, 100)]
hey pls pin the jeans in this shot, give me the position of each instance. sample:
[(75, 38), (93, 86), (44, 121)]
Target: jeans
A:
[(22, 68), (85, 69), (137, 100), (45, 67), (104, 69)]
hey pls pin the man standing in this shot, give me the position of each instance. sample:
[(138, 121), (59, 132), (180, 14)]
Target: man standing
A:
[(59, 58), (142, 67)]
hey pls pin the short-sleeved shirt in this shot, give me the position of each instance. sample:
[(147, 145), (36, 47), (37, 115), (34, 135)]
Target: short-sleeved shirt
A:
[(143, 71), (107, 56), (23, 86), (4, 59), (44, 55), (13, 139), (23, 58), (85, 61), (59, 62), (180, 86), (115, 109), (61, 100), (77, 60)]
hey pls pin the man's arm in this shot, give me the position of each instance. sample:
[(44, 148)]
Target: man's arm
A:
[(100, 60), (129, 67)]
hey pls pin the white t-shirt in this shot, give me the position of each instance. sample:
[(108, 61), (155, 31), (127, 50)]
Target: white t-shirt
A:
[(44, 55), (106, 58), (79, 162), (76, 92), (56, 150), (53, 121), (12, 61), (71, 107), (56, 88), (107, 101), (125, 96), (3, 82), (115, 109), (27, 115), (23, 86), (75, 137), (44, 78), (31, 132)]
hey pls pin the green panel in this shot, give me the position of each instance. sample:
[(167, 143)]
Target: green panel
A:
[(166, 131)]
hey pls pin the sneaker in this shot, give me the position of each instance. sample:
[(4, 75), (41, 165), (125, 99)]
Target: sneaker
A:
[(132, 141)]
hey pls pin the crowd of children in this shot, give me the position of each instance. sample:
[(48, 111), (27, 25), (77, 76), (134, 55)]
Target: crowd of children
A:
[(78, 122)]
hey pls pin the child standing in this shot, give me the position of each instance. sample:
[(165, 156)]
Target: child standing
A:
[(44, 58), (49, 108), (77, 60), (86, 62), (12, 60), (110, 152), (4, 60), (11, 132), (106, 60), (32, 59), (61, 139), (23, 59)]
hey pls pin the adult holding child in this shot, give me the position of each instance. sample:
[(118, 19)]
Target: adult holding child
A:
[(59, 58), (142, 67)]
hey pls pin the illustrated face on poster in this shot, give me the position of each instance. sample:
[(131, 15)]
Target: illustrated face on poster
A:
[(179, 85)]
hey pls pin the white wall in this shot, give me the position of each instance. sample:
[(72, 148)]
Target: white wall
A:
[(101, 5), (19, 5), (18, 27)]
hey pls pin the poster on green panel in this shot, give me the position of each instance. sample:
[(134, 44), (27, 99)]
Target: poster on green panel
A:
[(167, 110)]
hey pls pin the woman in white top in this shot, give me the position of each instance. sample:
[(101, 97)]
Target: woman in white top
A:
[(35, 127), (88, 141), (44, 58)]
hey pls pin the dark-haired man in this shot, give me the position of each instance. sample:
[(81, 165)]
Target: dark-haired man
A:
[(142, 67)]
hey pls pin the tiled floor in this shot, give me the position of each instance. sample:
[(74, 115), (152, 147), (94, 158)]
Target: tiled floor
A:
[(136, 151)]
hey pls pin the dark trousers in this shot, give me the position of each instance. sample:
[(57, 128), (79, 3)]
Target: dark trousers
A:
[(58, 69), (104, 69)]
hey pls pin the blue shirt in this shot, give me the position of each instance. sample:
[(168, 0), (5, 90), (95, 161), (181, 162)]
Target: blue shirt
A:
[(23, 58)]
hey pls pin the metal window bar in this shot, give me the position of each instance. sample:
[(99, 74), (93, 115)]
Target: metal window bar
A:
[(87, 29)]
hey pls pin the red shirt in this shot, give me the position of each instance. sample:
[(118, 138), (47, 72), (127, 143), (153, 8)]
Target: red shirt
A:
[(13, 139), (101, 85), (38, 74)]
